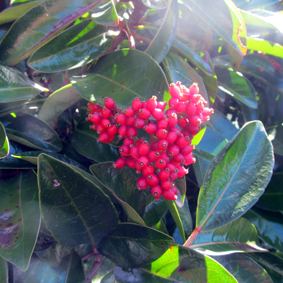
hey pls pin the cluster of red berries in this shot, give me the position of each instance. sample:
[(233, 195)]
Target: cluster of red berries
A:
[(162, 158)]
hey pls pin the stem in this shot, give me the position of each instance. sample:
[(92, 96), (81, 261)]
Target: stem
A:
[(96, 265), (192, 237)]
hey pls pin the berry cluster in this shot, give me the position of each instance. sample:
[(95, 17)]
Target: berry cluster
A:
[(162, 158)]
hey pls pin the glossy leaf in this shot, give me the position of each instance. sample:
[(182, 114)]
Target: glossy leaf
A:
[(269, 226), (254, 4), (84, 140), (57, 103), (178, 70), (4, 271), (14, 12), (123, 183), (186, 218), (163, 39), (236, 85), (73, 48), (272, 199), (155, 4), (224, 198), (243, 268), (132, 245), (32, 132), (224, 19), (268, 47), (122, 75), (106, 14), (178, 264), (15, 86), (4, 142), (237, 236), (69, 271), (74, 210), (39, 25), (278, 141), (19, 218)]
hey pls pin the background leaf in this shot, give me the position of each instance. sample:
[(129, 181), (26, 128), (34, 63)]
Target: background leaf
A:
[(4, 142), (4, 270)]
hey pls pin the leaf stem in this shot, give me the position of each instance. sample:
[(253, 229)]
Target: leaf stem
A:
[(192, 237)]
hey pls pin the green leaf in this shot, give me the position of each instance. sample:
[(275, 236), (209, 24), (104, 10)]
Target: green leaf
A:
[(39, 25), (4, 271), (32, 132), (226, 21), (272, 199), (265, 46), (57, 103), (193, 57), (186, 218), (278, 141), (122, 75), (122, 182), (84, 140), (163, 39), (73, 48), (69, 271), (197, 138), (132, 245), (177, 69), (229, 189), (73, 208), (243, 268), (15, 86), (269, 226), (19, 218), (14, 12), (237, 236), (108, 278), (255, 4), (271, 262), (178, 264), (106, 14), (236, 85), (4, 142)]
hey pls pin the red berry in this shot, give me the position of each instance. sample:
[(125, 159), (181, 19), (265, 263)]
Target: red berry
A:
[(173, 150), (122, 131), (173, 176), (179, 158), (148, 170), (154, 146), (170, 194), (144, 113), (131, 163), (195, 120), (120, 163), (189, 159), (187, 149), (153, 156), (111, 138), (171, 137), (136, 104), (152, 180), (181, 142), (181, 107), (162, 124), (160, 163), (191, 109), (142, 184), (151, 103), (182, 122), (139, 141), (94, 118), (134, 152), (100, 129), (156, 191), (163, 175), (164, 156), (124, 150), (161, 133), (207, 111), (150, 128), (128, 141), (104, 137), (132, 132), (113, 130), (131, 120), (171, 167), (158, 114), (129, 111), (109, 103), (167, 185), (199, 107), (106, 113), (92, 107), (161, 105), (182, 172), (105, 123), (193, 129), (194, 89), (139, 123), (143, 161), (173, 120), (176, 130), (162, 144), (174, 90), (143, 148), (173, 102), (121, 119)]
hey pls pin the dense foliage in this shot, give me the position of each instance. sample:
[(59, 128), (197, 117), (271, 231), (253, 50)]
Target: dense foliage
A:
[(67, 214)]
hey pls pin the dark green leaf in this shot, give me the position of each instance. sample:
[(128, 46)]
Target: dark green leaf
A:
[(32, 132), (236, 85), (132, 245), (74, 210), (261, 62), (73, 48), (278, 140), (15, 86), (225, 19), (237, 236), (123, 183), (57, 103), (54, 254), (186, 218), (224, 198), (85, 142), (69, 271), (243, 268), (4, 142), (179, 70), (163, 39), (4, 271), (19, 218), (180, 184), (122, 75), (269, 226), (14, 12), (106, 14), (39, 25), (272, 199), (178, 264)]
